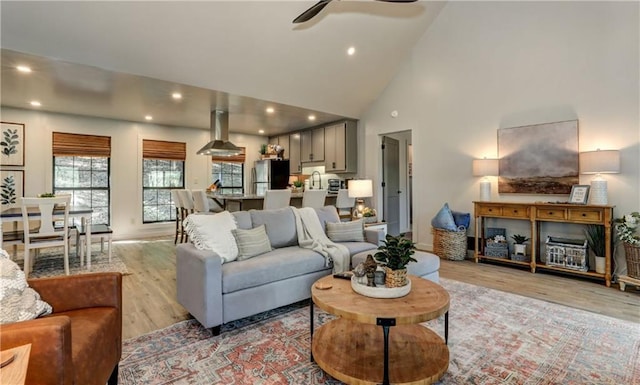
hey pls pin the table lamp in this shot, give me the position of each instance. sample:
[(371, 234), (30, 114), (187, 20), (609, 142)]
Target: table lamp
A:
[(360, 188), (599, 162), (485, 168)]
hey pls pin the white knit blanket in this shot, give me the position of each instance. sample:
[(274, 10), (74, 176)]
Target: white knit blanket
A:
[(18, 302), (311, 235)]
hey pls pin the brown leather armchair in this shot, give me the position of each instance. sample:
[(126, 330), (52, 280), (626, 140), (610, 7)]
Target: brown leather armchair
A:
[(81, 342)]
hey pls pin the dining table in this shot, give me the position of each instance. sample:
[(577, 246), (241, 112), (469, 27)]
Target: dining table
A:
[(13, 215)]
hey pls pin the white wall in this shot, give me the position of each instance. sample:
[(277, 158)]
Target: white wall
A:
[(126, 160), (488, 65)]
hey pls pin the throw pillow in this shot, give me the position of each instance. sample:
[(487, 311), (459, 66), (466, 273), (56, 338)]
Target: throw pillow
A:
[(444, 219), (18, 301), (327, 214), (251, 242), (346, 231), (461, 219), (213, 232)]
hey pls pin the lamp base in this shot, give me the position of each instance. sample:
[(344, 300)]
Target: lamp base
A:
[(598, 193), (485, 190)]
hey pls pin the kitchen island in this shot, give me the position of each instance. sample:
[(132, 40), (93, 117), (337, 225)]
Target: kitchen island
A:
[(253, 201)]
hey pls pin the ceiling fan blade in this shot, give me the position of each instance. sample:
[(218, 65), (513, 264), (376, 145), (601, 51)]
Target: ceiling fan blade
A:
[(311, 12)]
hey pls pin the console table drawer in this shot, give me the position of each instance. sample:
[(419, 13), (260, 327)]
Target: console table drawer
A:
[(490, 210), (585, 215), (516, 211), (551, 213)]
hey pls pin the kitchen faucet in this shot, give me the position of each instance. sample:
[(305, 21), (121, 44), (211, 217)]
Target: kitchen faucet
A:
[(313, 181)]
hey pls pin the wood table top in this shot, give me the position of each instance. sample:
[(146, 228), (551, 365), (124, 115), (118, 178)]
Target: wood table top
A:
[(426, 301)]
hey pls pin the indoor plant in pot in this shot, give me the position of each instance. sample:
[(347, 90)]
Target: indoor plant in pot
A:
[(519, 247), (596, 242), (627, 227), (395, 254)]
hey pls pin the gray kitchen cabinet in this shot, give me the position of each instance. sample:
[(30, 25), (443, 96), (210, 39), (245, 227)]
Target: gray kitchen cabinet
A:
[(341, 147), (294, 153), (312, 145)]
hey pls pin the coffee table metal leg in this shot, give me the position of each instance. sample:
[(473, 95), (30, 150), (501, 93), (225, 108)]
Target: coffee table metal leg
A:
[(446, 328), (311, 330), (386, 323)]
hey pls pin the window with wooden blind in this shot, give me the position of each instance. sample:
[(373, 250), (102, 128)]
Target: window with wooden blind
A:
[(162, 171), (229, 170), (81, 168)]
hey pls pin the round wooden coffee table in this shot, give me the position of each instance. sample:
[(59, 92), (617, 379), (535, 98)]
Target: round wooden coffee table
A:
[(380, 340)]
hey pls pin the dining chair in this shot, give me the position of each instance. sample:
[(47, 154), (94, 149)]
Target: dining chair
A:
[(276, 199), (175, 198), (47, 234), (313, 198), (101, 230), (344, 204)]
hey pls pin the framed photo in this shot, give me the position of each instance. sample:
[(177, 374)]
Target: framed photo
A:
[(579, 194), (11, 188), (11, 144)]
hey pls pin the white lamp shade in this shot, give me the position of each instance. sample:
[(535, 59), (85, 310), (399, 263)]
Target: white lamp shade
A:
[(360, 188), (600, 162), (485, 167)]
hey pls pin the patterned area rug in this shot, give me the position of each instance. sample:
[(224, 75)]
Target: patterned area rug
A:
[(494, 338), (51, 263)]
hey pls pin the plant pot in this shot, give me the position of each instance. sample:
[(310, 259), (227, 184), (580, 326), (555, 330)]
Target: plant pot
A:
[(600, 263), (520, 249), (373, 219), (395, 278)]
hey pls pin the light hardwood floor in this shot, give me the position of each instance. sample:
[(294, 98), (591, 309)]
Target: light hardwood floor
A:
[(149, 292)]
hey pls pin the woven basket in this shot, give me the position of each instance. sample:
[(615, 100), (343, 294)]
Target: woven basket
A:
[(450, 244), (632, 254), (395, 278)]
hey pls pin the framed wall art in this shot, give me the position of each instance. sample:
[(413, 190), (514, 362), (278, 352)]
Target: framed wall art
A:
[(538, 159), (11, 144), (11, 188)]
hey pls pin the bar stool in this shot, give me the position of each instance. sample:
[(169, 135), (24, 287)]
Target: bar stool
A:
[(313, 198), (344, 204), (276, 199), (186, 207)]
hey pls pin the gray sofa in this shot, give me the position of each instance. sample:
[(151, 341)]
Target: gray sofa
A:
[(216, 293)]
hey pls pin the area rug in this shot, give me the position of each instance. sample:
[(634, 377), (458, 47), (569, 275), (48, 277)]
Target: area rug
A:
[(494, 338), (50, 263)]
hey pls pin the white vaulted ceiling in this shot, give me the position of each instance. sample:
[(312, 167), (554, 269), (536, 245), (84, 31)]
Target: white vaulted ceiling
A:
[(123, 59)]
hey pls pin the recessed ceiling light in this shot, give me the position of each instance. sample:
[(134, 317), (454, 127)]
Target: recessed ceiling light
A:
[(260, 131), (176, 95), (312, 117), (35, 103), (148, 117), (24, 69), (351, 51), (270, 110)]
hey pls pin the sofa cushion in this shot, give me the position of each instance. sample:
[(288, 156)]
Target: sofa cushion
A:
[(280, 225), (243, 219), (358, 247), (251, 242), (275, 265), (327, 214), (444, 219), (213, 232), (346, 231)]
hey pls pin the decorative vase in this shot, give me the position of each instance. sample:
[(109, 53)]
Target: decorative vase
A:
[(600, 262), (395, 278), (520, 248), (632, 255)]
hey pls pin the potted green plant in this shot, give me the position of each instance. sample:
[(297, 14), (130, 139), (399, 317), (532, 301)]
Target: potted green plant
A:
[(395, 254), (520, 246), (263, 150), (297, 185), (596, 242)]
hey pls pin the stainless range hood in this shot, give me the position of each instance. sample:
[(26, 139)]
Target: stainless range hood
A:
[(219, 144)]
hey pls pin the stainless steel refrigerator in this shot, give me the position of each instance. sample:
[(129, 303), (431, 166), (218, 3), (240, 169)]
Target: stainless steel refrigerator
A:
[(271, 174)]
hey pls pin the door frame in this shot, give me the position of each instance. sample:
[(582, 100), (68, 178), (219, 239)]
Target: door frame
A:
[(406, 199)]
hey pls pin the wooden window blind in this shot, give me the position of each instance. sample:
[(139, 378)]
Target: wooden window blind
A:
[(231, 159), (65, 144), (158, 149)]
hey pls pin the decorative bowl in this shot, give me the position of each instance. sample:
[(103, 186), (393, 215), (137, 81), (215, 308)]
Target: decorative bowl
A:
[(380, 292)]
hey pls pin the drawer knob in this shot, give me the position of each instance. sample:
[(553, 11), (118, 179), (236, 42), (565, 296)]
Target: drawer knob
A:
[(584, 214), (550, 212)]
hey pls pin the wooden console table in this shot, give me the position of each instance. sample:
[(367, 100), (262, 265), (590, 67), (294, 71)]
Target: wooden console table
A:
[(537, 213)]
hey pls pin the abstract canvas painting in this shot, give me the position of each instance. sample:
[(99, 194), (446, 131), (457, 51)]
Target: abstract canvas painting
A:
[(538, 159)]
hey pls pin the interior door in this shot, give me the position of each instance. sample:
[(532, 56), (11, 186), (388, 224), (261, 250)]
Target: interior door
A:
[(391, 184)]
